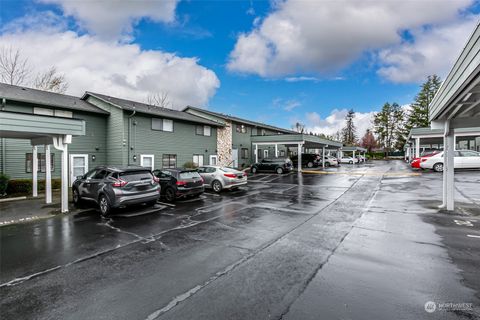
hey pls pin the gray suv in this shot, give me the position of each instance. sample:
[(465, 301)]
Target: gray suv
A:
[(112, 187)]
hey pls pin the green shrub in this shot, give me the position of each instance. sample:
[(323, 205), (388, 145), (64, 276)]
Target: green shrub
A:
[(190, 165), (25, 186), (3, 183)]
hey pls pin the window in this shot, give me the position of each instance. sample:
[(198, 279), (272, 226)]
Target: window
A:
[(162, 124), (263, 132), (43, 111), (241, 128), (203, 131), (244, 153), (282, 153), (101, 174), (169, 161), (147, 161), (470, 154), (52, 112), (265, 153), (41, 162), (213, 160), (198, 160), (63, 114)]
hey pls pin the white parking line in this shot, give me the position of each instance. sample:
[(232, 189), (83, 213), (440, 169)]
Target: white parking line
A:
[(463, 223), (167, 204), (472, 236)]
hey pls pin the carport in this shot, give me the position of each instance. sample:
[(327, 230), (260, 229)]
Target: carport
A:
[(421, 138), (457, 105), (46, 131), (354, 150), (295, 140)]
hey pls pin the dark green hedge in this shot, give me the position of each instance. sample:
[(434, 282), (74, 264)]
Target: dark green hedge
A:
[(24, 186)]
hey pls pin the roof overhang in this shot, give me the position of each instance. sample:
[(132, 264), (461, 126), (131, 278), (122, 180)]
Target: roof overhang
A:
[(354, 148), (432, 136), (459, 95), (308, 141), (36, 128)]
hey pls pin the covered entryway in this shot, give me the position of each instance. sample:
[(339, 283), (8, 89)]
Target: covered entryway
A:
[(299, 141), (457, 106), (44, 131)]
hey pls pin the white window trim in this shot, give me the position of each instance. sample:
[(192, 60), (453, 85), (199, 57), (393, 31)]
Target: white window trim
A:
[(143, 156), (198, 157), (265, 153), (209, 131), (72, 178), (213, 156)]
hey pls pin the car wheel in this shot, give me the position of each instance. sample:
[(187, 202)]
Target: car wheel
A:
[(170, 195), (438, 167), (104, 206), (76, 197), (310, 164), (327, 164), (351, 162), (217, 186), (254, 170), (279, 170)]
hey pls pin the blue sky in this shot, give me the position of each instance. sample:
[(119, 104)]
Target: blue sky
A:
[(272, 61)]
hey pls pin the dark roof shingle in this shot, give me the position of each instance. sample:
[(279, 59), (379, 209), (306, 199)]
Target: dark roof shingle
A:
[(46, 98), (152, 110)]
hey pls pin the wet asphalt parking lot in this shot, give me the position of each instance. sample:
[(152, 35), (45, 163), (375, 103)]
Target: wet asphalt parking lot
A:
[(355, 242)]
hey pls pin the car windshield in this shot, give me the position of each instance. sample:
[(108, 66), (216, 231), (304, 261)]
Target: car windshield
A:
[(189, 175), (135, 175)]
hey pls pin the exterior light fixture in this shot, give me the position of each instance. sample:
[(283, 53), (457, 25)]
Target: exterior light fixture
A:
[(134, 157), (93, 157)]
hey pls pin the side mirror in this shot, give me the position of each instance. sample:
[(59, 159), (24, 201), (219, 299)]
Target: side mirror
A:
[(79, 177)]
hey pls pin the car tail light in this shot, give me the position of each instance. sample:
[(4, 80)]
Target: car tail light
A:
[(244, 174), (181, 183), (119, 183), (155, 180), (230, 175)]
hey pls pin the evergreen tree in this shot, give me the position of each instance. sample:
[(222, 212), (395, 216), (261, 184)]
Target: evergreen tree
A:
[(419, 115), (389, 126), (349, 135)]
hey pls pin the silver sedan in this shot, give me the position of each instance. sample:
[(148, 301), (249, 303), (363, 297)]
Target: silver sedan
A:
[(219, 178)]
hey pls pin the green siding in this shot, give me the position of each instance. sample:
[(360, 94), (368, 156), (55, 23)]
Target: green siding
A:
[(182, 141), (116, 138)]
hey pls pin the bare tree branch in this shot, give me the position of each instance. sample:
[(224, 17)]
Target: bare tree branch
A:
[(52, 81), (14, 68), (160, 100)]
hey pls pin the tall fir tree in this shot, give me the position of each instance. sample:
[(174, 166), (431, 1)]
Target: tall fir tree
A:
[(349, 132), (389, 126), (419, 114)]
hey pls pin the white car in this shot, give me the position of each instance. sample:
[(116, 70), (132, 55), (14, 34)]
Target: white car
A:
[(330, 161), (361, 158), (348, 160), (462, 159)]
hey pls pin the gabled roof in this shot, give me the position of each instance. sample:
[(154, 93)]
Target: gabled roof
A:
[(46, 98), (152, 110), (240, 120)]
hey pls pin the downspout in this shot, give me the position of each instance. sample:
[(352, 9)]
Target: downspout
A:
[(4, 147), (129, 134)]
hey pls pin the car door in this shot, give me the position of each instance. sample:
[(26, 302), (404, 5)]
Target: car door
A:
[(164, 178), (83, 183), (470, 159), (96, 182)]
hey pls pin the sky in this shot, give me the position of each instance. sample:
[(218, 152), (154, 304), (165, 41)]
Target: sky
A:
[(278, 62)]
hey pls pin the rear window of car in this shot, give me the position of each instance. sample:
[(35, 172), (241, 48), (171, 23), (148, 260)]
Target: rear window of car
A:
[(227, 169), (189, 175), (135, 175)]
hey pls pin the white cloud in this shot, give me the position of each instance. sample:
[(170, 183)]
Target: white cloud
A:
[(113, 18), (324, 36), (291, 104), (335, 122), (122, 70), (433, 52), (301, 79)]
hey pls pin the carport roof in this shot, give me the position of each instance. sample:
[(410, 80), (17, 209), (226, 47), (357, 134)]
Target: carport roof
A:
[(308, 141), (459, 94), (427, 132), (354, 148)]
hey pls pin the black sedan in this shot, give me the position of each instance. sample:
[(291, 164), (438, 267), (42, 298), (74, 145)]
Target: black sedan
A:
[(179, 183), (278, 165)]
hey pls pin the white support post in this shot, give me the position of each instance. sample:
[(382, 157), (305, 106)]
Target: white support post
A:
[(323, 157), (299, 156), (256, 153), (276, 150), (61, 143), (353, 156), (35, 171), (448, 168), (48, 175), (417, 147)]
